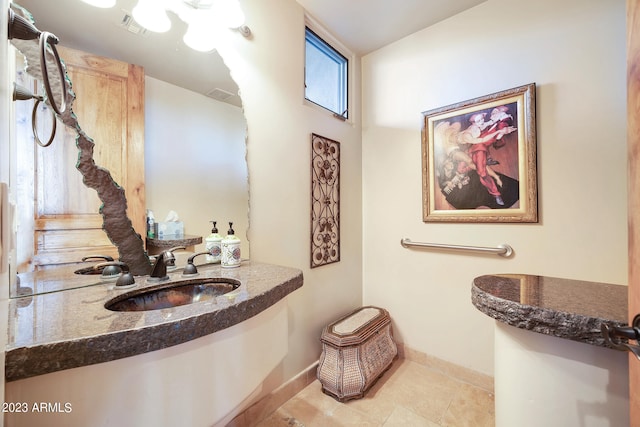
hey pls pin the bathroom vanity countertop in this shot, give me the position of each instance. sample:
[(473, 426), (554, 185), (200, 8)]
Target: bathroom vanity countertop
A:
[(72, 328), (571, 309)]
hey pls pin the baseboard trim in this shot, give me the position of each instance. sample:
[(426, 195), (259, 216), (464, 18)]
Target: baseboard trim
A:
[(458, 372), (269, 403)]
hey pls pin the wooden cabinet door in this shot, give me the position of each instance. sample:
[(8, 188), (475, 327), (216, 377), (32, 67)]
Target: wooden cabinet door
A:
[(66, 221)]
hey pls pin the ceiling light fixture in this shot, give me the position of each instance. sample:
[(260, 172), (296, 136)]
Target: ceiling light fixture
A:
[(203, 18), (151, 15)]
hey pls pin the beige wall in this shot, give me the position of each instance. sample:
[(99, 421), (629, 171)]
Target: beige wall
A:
[(269, 71), (195, 162), (574, 50)]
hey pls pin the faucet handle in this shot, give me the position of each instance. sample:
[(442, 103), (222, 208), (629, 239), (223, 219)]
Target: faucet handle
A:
[(125, 280), (90, 257), (108, 271), (190, 269)]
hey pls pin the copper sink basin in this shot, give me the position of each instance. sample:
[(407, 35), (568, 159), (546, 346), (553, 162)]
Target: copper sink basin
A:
[(172, 294)]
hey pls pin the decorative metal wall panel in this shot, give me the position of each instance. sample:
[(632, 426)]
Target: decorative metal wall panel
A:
[(325, 201)]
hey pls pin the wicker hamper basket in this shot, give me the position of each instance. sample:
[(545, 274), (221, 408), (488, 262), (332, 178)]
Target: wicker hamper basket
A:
[(356, 350)]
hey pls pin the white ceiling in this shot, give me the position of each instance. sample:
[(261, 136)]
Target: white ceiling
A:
[(367, 25), (361, 25)]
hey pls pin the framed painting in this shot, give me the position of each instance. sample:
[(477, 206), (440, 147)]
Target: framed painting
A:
[(479, 159)]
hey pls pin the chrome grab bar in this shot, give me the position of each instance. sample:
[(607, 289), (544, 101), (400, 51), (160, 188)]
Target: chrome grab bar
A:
[(502, 250)]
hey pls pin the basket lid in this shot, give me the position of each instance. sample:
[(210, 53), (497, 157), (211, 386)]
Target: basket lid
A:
[(356, 327)]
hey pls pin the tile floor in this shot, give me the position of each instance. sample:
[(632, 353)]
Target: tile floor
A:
[(408, 394)]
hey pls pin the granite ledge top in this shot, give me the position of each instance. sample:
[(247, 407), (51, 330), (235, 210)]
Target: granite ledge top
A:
[(564, 308), (170, 242), (72, 328)]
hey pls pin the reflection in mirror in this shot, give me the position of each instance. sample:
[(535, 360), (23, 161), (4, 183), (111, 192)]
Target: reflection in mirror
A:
[(113, 209), (194, 163)]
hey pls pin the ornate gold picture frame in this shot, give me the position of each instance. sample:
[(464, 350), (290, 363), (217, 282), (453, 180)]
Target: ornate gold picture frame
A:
[(479, 159)]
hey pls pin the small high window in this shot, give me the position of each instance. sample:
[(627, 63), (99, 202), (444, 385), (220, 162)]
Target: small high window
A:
[(326, 75)]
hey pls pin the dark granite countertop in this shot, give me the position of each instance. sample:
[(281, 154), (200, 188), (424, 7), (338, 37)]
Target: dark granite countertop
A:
[(160, 243), (72, 328), (571, 309)]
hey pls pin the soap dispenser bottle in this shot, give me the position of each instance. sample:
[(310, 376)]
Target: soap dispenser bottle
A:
[(230, 249), (213, 245)]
